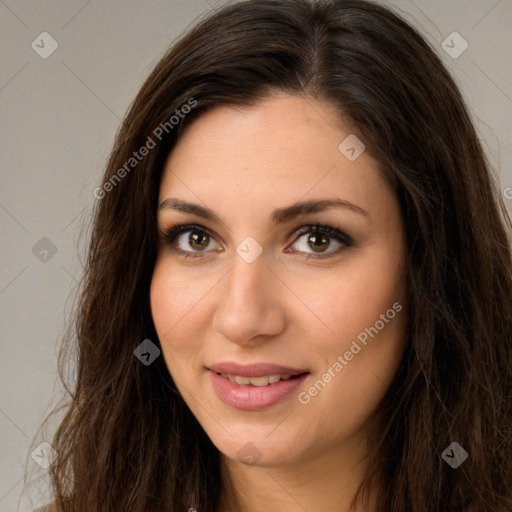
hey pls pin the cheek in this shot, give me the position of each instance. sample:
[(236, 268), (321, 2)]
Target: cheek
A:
[(370, 345), (176, 310), (347, 391), (354, 298)]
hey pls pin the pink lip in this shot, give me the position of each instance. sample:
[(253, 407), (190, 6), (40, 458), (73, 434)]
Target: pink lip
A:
[(254, 370), (253, 398)]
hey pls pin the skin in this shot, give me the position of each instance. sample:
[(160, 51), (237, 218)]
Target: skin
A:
[(282, 308)]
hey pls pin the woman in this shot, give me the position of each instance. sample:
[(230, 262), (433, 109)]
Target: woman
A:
[(297, 293)]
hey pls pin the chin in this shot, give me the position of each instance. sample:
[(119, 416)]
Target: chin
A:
[(259, 450)]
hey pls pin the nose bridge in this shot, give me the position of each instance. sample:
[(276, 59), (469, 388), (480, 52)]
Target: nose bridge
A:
[(248, 272), (246, 305), (244, 285)]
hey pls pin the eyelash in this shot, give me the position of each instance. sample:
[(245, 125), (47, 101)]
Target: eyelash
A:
[(172, 233)]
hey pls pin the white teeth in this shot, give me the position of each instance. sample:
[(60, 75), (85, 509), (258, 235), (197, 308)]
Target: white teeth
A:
[(240, 380), (265, 380), (255, 381)]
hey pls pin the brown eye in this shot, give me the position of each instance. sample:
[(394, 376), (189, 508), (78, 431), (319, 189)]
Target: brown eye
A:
[(196, 242), (320, 239), (318, 242)]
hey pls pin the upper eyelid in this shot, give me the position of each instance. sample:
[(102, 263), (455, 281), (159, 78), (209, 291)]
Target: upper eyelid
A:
[(183, 228), (179, 229)]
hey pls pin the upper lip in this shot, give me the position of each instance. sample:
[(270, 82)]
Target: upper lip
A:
[(254, 370)]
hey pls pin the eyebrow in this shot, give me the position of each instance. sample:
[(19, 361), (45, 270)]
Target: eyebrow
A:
[(278, 216)]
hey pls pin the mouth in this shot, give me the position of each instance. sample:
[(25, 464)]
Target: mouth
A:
[(262, 369), (262, 381), (255, 387)]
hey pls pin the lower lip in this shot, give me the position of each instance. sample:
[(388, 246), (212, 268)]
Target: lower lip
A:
[(253, 398)]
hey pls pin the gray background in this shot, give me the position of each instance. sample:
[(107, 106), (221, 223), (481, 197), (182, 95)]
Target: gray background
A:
[(59, 116)]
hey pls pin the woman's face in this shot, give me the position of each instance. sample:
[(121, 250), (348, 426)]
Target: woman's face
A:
[(256, 289)]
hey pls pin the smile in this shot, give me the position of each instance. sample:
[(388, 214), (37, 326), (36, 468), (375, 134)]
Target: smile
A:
[(264, 380), (254, 393)]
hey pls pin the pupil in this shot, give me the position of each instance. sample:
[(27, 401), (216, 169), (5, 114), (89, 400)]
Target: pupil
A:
[(195, 236), (324, 241)]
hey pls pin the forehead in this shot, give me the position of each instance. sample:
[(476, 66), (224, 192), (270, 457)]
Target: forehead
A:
[(279, 125), (284, 149)]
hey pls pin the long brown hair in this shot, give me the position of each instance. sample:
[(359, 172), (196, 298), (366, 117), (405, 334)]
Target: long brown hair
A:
[(128, 441)]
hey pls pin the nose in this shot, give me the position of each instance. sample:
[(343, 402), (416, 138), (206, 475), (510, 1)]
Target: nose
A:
[(249, 308)]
